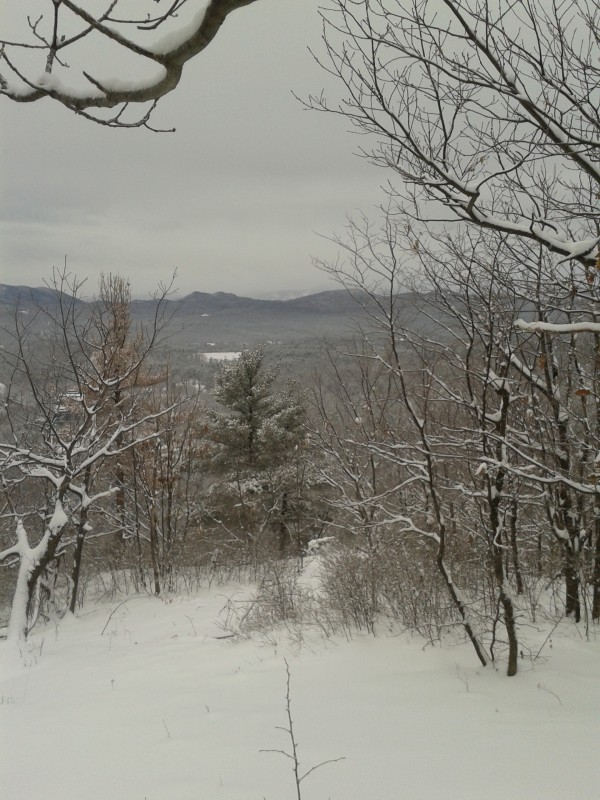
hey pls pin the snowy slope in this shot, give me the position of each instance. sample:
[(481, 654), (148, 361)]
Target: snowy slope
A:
[(158, 707)]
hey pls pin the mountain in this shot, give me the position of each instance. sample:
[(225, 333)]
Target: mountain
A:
[(221, 301), (227, 321), (223, 320), (28, 296), (286, 294)]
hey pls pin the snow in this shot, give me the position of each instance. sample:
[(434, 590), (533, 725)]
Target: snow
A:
[(59, 518), (472, 187), (557, 327), (317, 544), (18, 617), (118, 84), (159, 707), (499, 384), (495, 417), (52, 82), (582, 247), (220, 356), (179, 36)]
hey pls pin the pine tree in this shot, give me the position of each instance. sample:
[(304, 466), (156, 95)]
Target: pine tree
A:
[(256, 448)]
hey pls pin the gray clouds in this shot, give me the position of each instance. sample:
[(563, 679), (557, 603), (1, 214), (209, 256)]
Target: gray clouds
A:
[(233, 200)]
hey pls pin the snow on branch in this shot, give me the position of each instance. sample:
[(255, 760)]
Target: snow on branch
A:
[(557, 327), (65, 23), (468, 105)]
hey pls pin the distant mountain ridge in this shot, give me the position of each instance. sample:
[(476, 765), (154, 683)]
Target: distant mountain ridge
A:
[(332, 301), (328, 301), (211, 301), (11, 295), (224, 319)]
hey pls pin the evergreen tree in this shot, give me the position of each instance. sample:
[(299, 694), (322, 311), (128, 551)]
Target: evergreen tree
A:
[(256, 444)]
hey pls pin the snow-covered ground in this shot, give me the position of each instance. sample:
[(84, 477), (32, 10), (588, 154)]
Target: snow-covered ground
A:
[(229, 356), (154, 704)]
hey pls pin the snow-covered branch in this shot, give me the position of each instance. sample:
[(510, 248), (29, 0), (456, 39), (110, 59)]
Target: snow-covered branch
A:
[(469, 107), (61, 27), (557, 327)]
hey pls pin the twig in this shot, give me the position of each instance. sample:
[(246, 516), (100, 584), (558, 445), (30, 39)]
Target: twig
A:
[(544, 689), (115, 609), (293, 756), (192, 624), (536, 656)]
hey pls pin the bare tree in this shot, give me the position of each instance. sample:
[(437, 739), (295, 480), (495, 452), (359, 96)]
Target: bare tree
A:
[(73, 404), (63, 46), (487, 119), (354, 406), (417, 504), (487, 115), (504, 426), (162, 482)]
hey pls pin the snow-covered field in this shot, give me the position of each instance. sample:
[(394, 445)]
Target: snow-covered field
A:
[(229, 356), (154, 704)]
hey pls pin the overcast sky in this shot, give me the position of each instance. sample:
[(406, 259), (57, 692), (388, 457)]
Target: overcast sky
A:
[(238, 199)]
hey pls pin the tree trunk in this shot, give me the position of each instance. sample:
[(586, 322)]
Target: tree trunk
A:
[(461, 607), (154, 547), (33, 562), (508, 611), (75, 575), (78, 555), (596, 574), (282, 528), (514, 547), (18, 623), (571, 575), (500, 579)]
